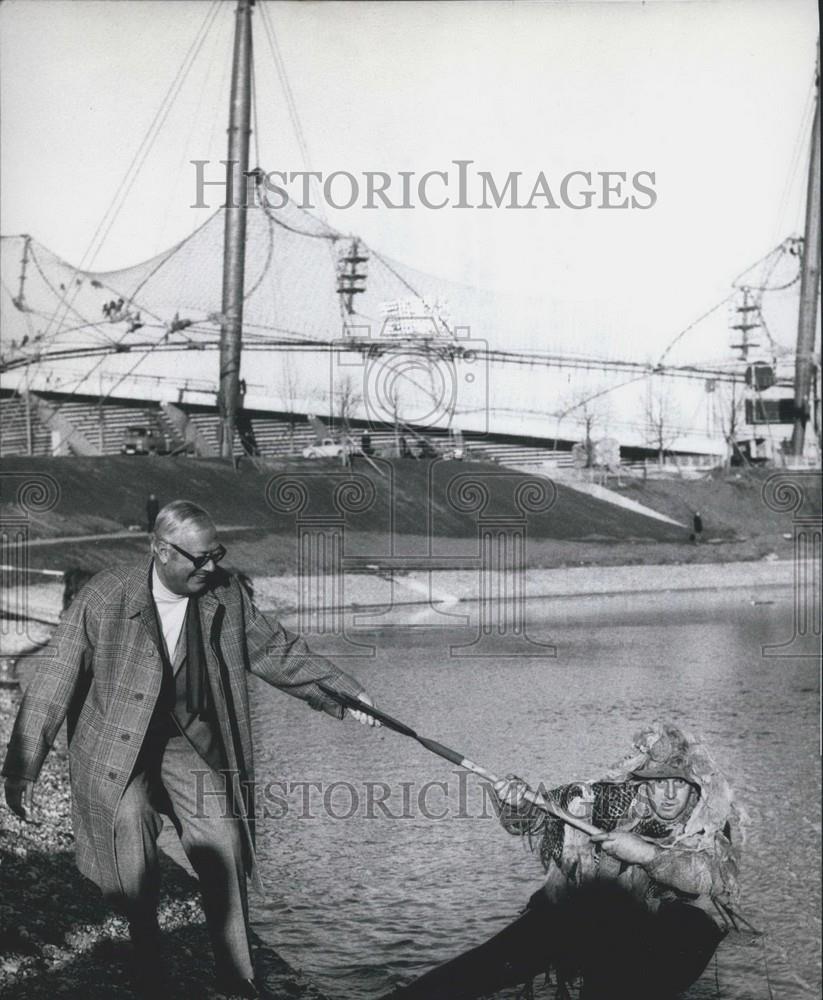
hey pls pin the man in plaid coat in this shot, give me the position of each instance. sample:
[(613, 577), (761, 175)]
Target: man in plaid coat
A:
[(149, 671)]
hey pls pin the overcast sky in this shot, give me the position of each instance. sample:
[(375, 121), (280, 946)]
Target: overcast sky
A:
[(713, 98)]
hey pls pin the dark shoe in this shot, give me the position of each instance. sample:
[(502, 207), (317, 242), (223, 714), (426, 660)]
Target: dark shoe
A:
[(238, 988), (151, 980), (149, 972), (145, 938)]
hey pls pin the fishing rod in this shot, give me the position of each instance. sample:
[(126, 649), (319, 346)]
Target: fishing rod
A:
[(547, 805)]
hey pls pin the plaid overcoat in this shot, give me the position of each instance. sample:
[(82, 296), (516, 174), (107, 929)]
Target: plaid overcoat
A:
[(103, 677)]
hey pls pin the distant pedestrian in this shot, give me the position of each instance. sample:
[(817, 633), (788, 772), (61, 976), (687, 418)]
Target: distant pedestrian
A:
[(697, 526), (152, 510), (365, 443)]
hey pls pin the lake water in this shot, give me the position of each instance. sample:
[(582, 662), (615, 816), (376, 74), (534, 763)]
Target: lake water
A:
[(363, 902)]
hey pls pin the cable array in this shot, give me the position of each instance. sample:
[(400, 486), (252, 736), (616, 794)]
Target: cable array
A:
[(293, 302)]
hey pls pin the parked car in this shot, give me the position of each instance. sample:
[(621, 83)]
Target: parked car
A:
[(144, 441), (426, 449), (327, 448)]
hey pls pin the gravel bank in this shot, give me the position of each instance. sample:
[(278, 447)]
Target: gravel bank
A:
[(58, 938), (463, 586)]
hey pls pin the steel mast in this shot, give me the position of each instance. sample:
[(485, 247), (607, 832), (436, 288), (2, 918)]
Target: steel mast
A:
[(234, 240), (809, 281)]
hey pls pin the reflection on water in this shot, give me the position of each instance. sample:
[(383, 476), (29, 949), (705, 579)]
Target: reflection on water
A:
[(400, 865)]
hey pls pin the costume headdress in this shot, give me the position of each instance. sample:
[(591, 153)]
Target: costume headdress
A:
[(661, 751)]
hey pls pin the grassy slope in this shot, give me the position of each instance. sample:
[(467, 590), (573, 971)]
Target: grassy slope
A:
[(100, 495)]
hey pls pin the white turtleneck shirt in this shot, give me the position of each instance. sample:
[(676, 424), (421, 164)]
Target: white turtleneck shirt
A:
[(171, 610)]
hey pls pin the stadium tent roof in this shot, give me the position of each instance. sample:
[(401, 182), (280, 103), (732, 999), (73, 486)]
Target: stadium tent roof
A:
[(173, 301)]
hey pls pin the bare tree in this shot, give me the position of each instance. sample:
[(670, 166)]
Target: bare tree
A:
[(730, 412), (348, 398), (290, 390), (589, 409), (660, 415)]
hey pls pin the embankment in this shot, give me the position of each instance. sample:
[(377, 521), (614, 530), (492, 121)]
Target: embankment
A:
[(410, 509)]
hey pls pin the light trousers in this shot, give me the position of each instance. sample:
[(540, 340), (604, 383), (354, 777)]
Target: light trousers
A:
[(165, 782)]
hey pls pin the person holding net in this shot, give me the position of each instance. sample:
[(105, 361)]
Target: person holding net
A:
[(636, 910)]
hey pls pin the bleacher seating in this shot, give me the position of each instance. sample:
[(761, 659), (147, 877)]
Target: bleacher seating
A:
[(276, 437), (208, 424), (13, 434), (515, 454), (104, 426)]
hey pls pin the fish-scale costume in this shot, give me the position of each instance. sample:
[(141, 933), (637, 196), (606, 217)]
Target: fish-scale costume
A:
[(700, 848)]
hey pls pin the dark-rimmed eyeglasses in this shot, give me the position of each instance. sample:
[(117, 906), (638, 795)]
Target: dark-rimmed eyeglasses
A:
[(198, 561)]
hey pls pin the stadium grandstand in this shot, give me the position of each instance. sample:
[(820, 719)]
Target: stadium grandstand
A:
[(333, 327), (56, 423)]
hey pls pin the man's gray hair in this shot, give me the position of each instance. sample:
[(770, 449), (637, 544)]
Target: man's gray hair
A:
[(178, 514)]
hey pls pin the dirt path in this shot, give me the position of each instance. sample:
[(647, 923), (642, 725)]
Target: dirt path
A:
[(106, 535)]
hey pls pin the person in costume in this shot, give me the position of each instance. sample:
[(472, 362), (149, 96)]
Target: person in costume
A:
[(636, 910)]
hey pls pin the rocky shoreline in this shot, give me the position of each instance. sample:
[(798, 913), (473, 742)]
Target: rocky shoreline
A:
[(57, 936)]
